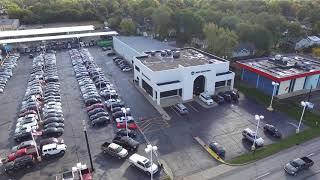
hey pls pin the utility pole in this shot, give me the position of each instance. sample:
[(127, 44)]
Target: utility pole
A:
[(88, 147)]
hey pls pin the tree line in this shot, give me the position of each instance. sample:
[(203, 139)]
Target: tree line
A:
[(223, 24)]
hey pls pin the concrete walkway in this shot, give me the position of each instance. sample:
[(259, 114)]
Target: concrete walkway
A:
[(163, 113)]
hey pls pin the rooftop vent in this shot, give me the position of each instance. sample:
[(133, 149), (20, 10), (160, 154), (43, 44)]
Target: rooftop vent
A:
[(278, 57), (153, 53), (163, 53), (176, 54), (168, 52)]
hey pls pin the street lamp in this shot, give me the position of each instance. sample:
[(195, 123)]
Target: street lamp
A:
[(274, 84), (124, 110), (150, 149), (305, 104), (88, 147), (257, 118), (33, 97)]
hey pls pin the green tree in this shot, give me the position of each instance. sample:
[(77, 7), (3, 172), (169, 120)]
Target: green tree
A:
[(162, 20), (187, 24), (127, 26), (230, 22), (220, 41), (295, 30), (316, 28)]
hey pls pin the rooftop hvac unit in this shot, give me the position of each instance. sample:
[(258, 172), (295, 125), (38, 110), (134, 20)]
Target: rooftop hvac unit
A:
[(176, 54), (168, 52), (163, 53), (153, 53), (278, 57)]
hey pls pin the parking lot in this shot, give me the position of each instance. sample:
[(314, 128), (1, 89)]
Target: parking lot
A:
[(174, 138)]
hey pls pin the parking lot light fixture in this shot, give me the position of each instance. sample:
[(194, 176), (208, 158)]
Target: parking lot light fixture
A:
[(150, 149), (274, 84), (33, 97), (125, 119), (88, 146), (304, 104), (257, 118)]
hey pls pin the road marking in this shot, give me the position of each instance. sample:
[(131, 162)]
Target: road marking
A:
[(193, 107), (294, 125), (175, 111), (263, 175), (310, 155)]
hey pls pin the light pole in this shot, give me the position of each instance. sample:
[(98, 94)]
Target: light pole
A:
[(33, 97), (150, 149), (305, 104), (125, 119), (257, 118), (274, 84), (88, 147)]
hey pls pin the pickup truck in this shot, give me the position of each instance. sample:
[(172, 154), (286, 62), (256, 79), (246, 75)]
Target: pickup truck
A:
[(114, 149), (297, 165), (143, 163)]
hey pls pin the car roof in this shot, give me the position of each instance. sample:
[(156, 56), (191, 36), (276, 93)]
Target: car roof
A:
[(114, 146), (49, 146)]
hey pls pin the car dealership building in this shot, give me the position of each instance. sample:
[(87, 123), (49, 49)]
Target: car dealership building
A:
[(166, 71)]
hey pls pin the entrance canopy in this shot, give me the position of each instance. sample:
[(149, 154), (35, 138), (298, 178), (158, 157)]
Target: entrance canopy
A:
[(33, 32), (68, 36)]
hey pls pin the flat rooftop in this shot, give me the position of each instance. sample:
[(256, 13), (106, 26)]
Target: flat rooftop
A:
[(282, 67), (142, 44), (32, 32), (164, 60)]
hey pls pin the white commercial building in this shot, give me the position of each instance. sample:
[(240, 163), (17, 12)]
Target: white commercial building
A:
[(170, 72)]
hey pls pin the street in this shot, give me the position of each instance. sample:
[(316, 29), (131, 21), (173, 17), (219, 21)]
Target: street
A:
[(270, 168)]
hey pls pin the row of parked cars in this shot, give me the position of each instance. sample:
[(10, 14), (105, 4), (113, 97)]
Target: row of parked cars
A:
[(6, 69), (40, 119), (220, 98), (90, 79), (122, 64)]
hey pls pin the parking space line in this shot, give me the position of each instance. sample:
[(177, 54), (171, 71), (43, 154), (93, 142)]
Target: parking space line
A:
[(193, 107), (175, 111), (261, 176), (309, 155)]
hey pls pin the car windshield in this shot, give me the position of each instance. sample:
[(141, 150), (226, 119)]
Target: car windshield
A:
[(119, 149), (206, 97), (147, 163), (294, 164)]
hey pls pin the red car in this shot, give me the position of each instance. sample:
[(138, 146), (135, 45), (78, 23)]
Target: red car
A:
[(22, 152), (131, 125), (98, 105)]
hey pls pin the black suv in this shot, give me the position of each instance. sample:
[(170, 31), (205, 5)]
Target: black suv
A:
[(19, 163), (126, 142)]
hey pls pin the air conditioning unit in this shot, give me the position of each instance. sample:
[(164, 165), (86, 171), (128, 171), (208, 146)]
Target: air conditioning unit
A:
[(176, 54), (153, 53)]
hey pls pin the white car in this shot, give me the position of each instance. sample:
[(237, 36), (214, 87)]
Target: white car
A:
[(250, 135), (26, 127), (53, 149), (206, 98), (122, 119), (126, 69), (32, 122), (143, 163)]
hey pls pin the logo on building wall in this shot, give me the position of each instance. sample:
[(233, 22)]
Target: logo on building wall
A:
[(197, 72)]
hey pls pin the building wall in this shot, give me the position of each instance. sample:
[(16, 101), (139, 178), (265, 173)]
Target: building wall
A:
[(185, 76), (284, 87), (124, 50), (299, 84), (311, 81), (249, 77)]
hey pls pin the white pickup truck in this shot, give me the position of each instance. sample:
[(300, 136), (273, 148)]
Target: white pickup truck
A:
[(143, 163)]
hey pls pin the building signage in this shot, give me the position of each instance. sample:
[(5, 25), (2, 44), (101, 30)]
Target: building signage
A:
[(197, 72)]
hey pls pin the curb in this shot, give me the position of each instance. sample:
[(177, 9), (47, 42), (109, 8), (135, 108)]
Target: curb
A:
[(166, 169)]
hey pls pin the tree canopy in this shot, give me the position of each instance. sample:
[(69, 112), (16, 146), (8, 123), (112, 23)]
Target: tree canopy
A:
[(261, 23)]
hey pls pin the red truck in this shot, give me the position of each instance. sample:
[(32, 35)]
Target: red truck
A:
[(22, 152)]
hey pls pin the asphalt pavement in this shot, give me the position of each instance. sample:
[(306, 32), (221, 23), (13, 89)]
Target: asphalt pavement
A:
[(270, 168)]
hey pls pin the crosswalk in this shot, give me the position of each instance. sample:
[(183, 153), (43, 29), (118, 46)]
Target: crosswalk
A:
[(147, 125)]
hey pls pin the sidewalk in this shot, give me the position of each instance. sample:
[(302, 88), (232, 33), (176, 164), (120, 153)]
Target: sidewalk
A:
[(163, 113), (210, 173)]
